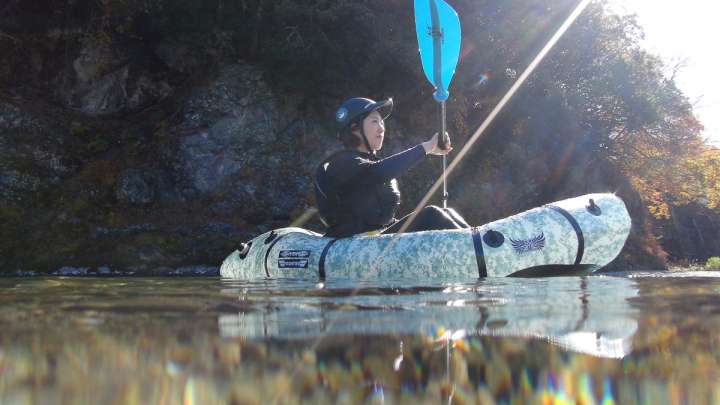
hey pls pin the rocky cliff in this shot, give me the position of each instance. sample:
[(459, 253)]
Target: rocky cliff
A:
[(150, 136)]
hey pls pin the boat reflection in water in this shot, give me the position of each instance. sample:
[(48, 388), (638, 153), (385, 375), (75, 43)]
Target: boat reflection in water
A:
[(591, 315)]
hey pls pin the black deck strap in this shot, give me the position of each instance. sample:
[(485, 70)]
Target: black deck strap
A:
[(321, 265), (578, 231), (267, 252), (479, 254)]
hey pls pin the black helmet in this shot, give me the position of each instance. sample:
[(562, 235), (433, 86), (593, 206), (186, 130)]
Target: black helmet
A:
[(356, 107)]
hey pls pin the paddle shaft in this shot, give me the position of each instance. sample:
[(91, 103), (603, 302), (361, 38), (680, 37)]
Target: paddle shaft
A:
[(437, 35), (442, 145)]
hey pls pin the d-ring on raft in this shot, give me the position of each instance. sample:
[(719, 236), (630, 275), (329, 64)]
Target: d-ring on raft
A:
[(574, 236)]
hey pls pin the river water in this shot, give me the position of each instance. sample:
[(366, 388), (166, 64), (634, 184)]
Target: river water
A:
[(651, 338)]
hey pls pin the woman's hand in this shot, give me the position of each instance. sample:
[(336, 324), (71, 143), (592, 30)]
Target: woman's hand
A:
[(432, 148)]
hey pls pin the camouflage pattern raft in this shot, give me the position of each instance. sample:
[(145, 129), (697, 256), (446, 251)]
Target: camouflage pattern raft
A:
[(573, 236)]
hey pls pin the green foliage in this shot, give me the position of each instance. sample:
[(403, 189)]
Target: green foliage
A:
[(713, 263)]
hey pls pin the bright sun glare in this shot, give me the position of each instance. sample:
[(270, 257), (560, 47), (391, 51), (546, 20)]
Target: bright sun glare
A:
[(685, 33)]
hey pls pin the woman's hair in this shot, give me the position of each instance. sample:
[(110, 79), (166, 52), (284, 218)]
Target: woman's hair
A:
[(348, 139)]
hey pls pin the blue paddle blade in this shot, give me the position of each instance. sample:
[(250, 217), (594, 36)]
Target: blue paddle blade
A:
[(438, 33)]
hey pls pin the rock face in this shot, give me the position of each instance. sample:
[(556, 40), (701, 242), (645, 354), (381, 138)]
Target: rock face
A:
[(32, 156), (228, 165), (235, 161), (226, 127), (154, 136), (134, 187), (238, 145), (107, 79)]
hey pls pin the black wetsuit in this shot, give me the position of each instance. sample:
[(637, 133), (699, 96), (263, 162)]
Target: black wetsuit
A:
[(357, 192)]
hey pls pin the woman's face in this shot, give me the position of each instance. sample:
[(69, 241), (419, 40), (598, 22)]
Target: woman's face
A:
[(374, 127)]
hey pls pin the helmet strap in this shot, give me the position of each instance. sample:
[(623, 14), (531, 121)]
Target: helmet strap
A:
[(364, 137), (367, 144)]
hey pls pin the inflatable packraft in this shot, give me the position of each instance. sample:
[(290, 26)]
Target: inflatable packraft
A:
[(573, 236)]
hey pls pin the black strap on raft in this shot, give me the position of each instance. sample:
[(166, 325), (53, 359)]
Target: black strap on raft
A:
[(578, 232), (267, 253), (479, 255), (321, 265)]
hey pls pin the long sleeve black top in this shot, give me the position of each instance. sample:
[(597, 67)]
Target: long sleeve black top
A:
[(357, 192)]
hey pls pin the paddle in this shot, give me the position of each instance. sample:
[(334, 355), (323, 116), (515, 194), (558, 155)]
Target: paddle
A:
[(438, 32)]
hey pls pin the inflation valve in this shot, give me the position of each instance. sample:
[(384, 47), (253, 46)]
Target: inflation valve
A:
[(593, 208), (244, 249)]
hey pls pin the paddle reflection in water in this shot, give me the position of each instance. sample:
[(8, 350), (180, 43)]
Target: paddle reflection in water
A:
[(589, 314)]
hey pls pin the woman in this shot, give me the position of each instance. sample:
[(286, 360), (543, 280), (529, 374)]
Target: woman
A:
[(357, 191)]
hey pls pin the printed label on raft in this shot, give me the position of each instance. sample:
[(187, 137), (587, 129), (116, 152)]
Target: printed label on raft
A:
[(293, 254), (293, 263), (523, 246)]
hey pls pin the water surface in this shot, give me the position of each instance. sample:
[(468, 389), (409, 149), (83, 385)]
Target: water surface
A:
[(645, 338)]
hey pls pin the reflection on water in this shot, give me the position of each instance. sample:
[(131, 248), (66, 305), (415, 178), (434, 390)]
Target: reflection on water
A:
[(585, 315), (646, 338)]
